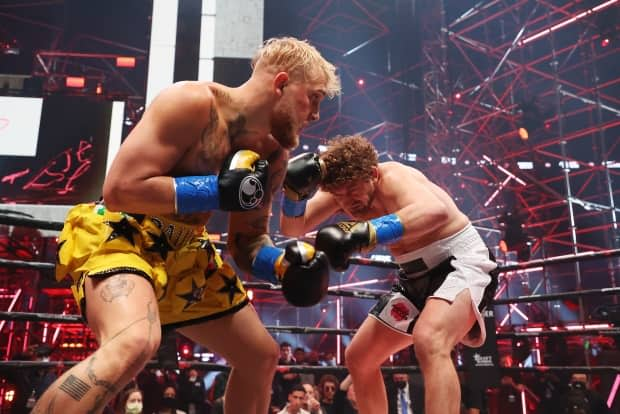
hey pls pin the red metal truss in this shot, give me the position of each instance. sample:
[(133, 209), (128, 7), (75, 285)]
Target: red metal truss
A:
[(474, 72)]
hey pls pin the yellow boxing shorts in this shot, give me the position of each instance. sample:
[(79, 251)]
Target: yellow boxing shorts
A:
[(191, 281)]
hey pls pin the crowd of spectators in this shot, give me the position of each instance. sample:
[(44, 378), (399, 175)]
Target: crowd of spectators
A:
[(195, 391)]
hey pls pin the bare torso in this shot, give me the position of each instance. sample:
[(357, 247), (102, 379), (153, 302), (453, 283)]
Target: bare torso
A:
[(401, 187), (220, 138)]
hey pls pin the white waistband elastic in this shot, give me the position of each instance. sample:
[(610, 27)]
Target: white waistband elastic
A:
[(459, 244)]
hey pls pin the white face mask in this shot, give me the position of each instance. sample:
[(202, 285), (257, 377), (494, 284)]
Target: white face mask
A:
[(133, 408)]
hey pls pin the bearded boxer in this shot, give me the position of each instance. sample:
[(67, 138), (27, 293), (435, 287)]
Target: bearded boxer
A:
[(142, 258), (446, 271)]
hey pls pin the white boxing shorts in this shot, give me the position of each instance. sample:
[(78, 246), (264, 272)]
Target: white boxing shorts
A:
[(443, 269)]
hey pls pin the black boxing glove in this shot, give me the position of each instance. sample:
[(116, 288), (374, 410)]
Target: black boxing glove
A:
[(304, 174), (302, 271), (243, 181), (339, 241), (240, 186)]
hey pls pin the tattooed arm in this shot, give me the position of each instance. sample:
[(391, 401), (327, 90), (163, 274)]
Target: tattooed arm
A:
[(248, 231)]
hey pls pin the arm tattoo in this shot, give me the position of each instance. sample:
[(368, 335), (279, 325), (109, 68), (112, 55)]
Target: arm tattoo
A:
[(116, 287), (75, 387)]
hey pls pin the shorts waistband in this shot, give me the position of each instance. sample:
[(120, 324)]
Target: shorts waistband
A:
[(177, 233), (459, 244)]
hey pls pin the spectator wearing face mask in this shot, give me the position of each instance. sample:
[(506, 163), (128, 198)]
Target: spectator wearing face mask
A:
[(131, 402), (403, 396), (580, 398), (169, 403)]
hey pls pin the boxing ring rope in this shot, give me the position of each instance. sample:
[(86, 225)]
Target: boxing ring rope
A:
[(376, 294), (77, 319), (12, 220), (14, 264), (334, 290), (8, 219), (299, 369)]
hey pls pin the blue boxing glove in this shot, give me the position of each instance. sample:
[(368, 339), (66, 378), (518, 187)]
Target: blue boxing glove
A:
[(341, 240), (302, 271), (240, 186)]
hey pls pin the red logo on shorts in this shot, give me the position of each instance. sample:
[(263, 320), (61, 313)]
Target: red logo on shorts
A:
[(399, 312)]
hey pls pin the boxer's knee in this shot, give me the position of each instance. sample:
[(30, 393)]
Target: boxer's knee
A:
[(134, 346), (269, 353), (430, 343), (261, 359), (356, 360)]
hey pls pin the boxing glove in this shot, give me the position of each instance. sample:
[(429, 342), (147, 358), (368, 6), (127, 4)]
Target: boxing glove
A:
[(339, 241), (302, 271), (303, 177), (240, 185)]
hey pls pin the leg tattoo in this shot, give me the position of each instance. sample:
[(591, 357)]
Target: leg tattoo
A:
[(75, 387), (116, 288)]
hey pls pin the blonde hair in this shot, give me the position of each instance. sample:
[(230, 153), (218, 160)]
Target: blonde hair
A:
[(300, 59)]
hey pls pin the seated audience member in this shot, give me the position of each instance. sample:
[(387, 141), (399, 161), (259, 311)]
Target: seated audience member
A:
[(283, 382), (130, 402), (311, 403), (580, 398), (192, 392), (296, 398), (169, 402), (403, 396), (332, 394)]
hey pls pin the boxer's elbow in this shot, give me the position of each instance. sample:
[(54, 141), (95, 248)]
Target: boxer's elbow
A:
[(243, 249), (238, 254), (113, 195)]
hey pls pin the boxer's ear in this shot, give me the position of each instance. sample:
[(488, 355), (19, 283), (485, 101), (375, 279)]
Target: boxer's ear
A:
[(279, 82)]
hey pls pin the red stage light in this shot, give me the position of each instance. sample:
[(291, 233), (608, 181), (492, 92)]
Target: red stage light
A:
[(361, 82), (99, 89), (125, 62), (458, 96), (605, 42), (185, 350), (75, 82)]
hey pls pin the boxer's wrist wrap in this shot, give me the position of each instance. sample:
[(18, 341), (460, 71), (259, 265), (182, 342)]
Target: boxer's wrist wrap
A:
[(388, 228), (292, 208), (196, 194), (266, 262)]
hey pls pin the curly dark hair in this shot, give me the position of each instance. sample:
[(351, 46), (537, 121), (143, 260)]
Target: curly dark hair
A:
[(348, 158)]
